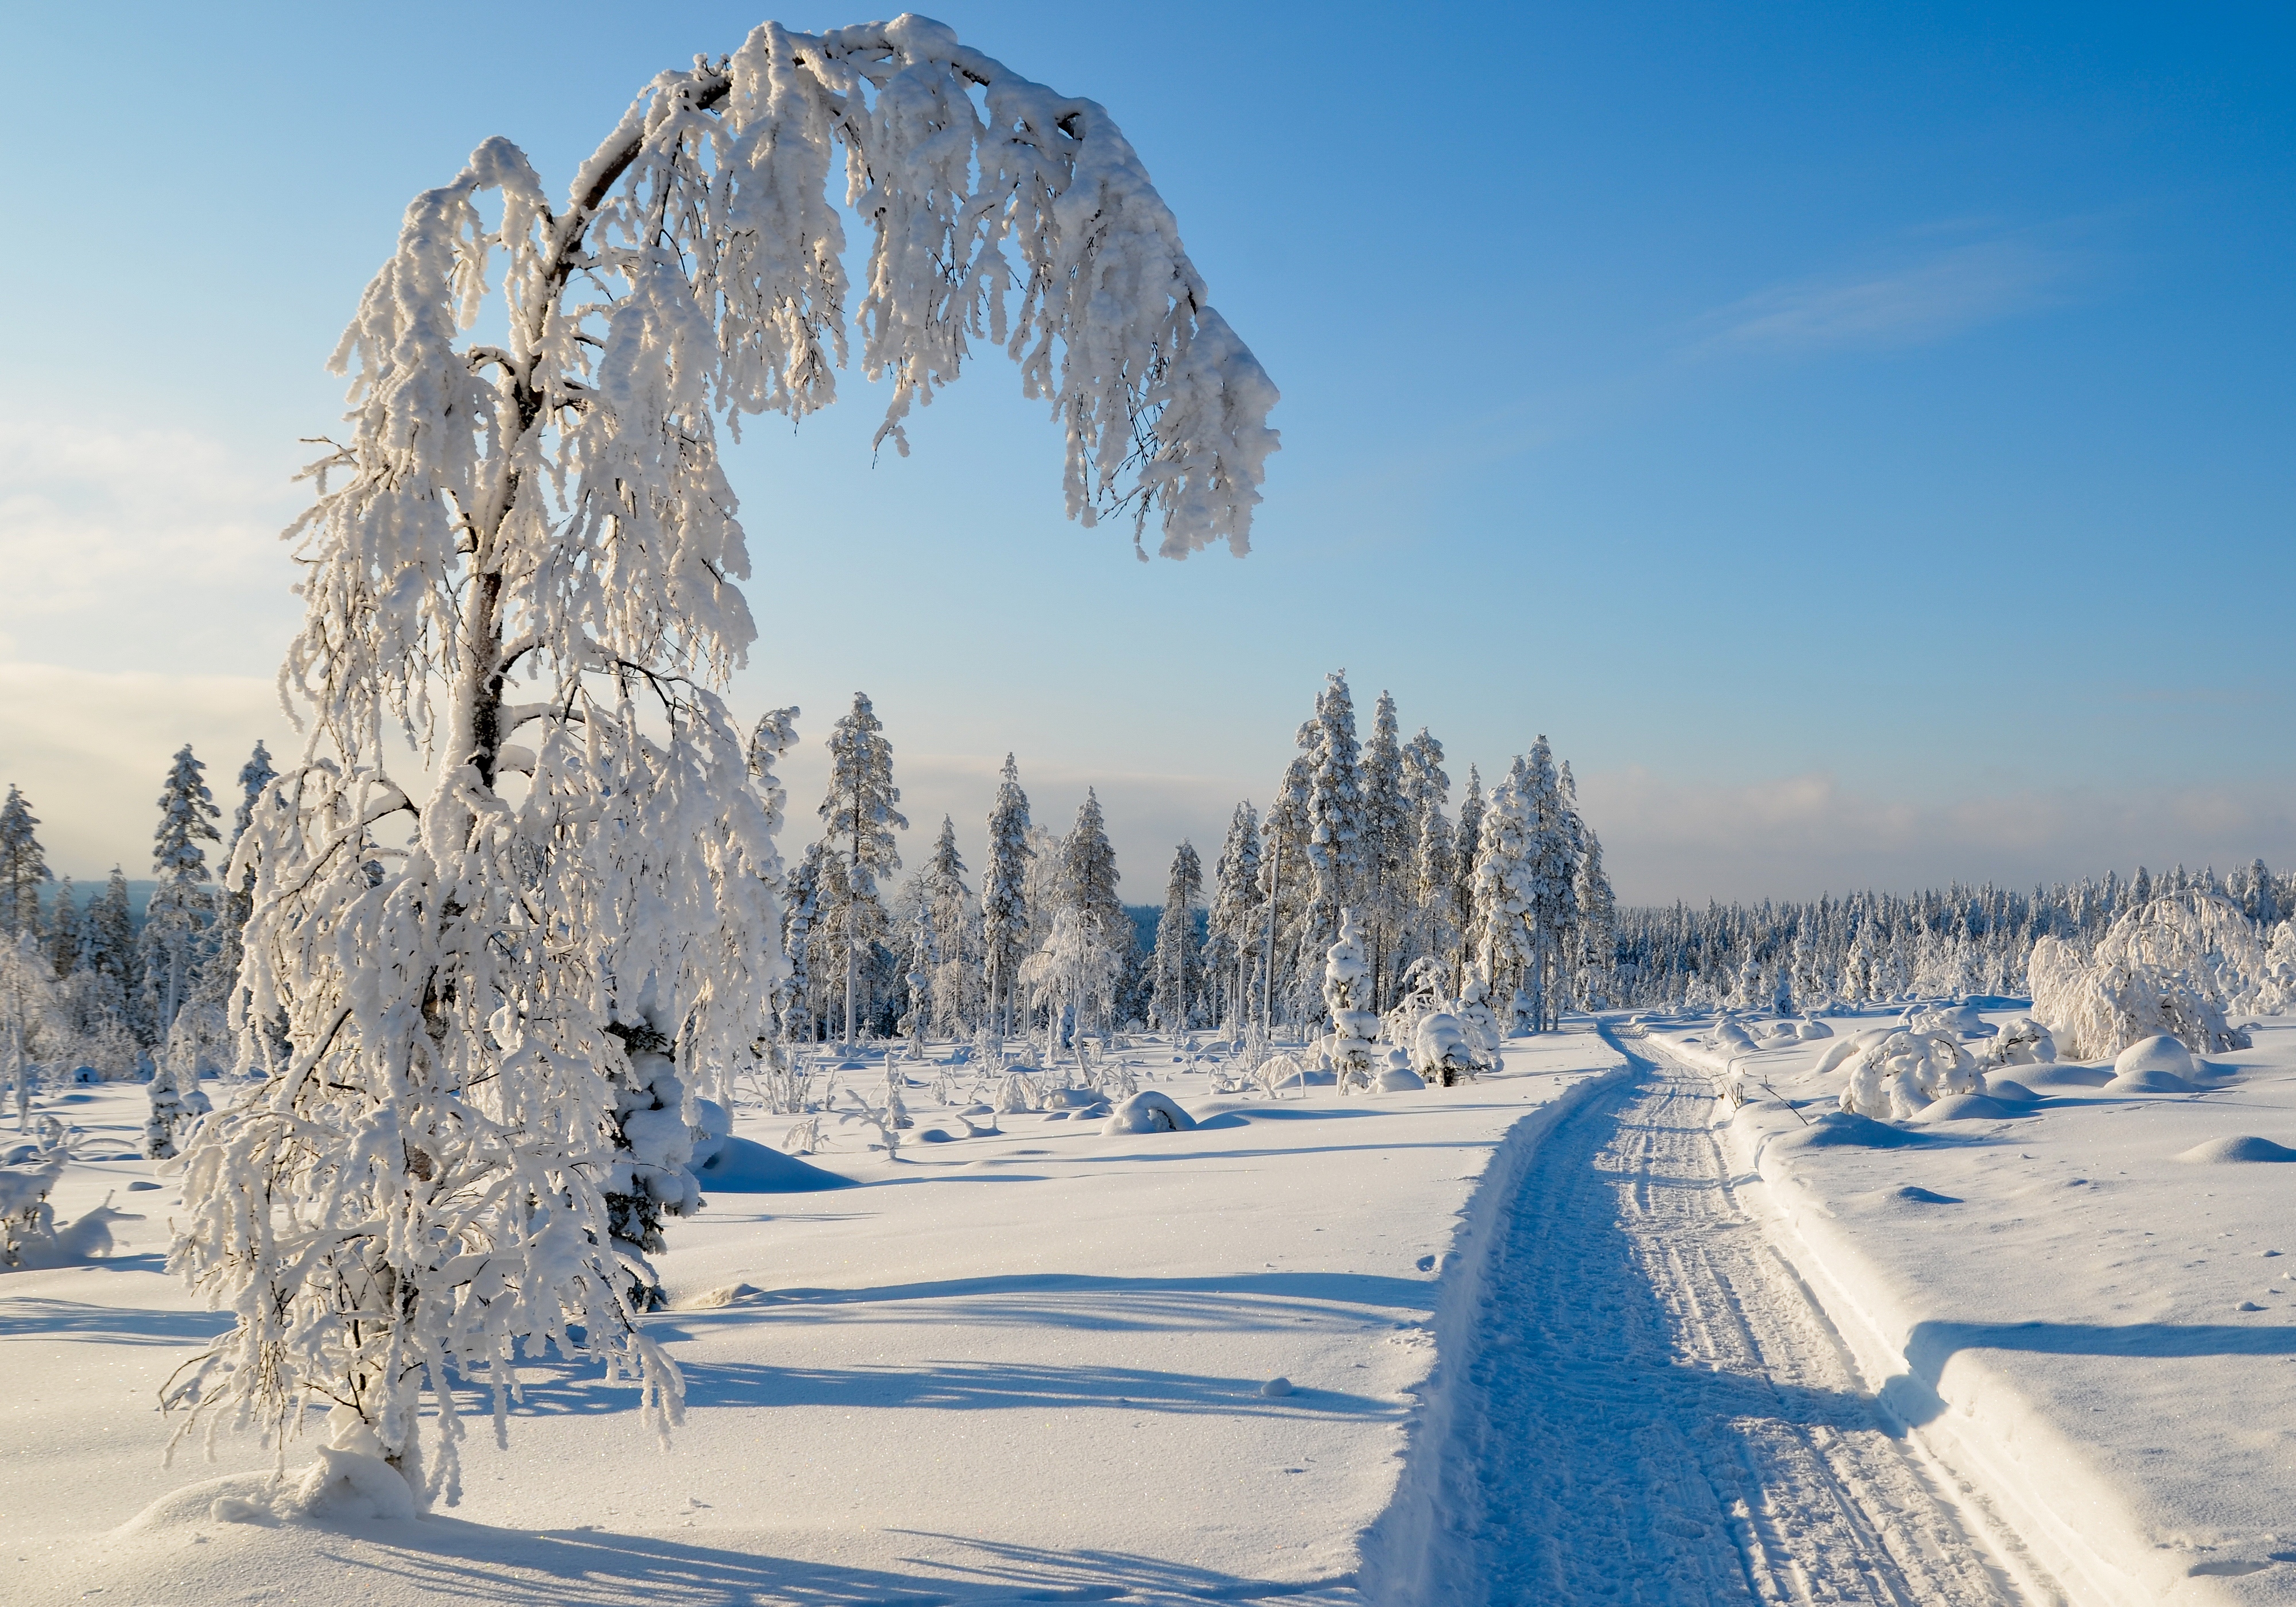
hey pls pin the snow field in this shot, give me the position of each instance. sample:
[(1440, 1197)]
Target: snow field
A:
[(1023, 1365), (2069, 1288)]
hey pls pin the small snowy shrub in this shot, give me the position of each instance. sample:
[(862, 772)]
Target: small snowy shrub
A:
[(651, 1174), (2021, 1041), (1440, 1052), (1148, 1112), (1906, 1073), (1475, 1017), (28, 1223)]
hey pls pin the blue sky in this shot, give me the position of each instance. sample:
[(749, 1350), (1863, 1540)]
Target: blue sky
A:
[(1858, 436)]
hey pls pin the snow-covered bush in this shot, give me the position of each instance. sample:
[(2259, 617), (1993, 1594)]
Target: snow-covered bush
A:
[(28, 1223), (1904, 1073), (1148, 1112), (1440, 1051), (2275, 992), (2176, 964), (2021, 1041)]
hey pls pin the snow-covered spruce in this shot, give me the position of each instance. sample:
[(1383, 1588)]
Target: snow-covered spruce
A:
[(525, 555), (175, 1106), (1353, 1045)]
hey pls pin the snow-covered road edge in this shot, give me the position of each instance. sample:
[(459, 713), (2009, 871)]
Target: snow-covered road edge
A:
[(1396, 1550), (2062, 1531)]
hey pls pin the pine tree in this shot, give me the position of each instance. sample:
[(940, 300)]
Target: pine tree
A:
[(1179, 970), (858, 811), (64, 924), (1389, 820), (1551, 874), (1598, 909), (1233, 938), (1288, 892), (1427, 896), (182, 909), (1468, 918), (1089, 879), (23, 866), (1335, 810), (953, 943), (1005, 917), (1501, 938)]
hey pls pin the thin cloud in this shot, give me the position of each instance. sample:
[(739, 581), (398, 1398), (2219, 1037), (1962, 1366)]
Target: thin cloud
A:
[(1931, 299), (1794, 837)]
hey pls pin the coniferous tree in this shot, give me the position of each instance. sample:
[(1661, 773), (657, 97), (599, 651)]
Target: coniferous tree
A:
[(1233, 938), (1470, 841), (1597, 926), (23, 866), (858, 814), (1004, 916), (1501, 936), (1430, 874), (64, 923), (1177, 969), (953, 941), (1288, 892), (1089, 879), (182, 910), (1381, 904), (1335, 812)]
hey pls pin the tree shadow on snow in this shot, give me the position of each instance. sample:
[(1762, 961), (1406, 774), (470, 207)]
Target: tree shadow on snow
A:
[(36, 1318), (1934, 1344), (576, 1389), (449, 1560)]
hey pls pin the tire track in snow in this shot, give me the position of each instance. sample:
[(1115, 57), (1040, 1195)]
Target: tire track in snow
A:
[(1654, 1411)]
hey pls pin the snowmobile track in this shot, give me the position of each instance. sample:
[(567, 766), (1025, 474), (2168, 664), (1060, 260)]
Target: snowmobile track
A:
[(1652, 1410)]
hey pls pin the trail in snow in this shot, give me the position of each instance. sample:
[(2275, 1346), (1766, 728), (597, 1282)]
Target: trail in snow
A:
[(1655, 1412)]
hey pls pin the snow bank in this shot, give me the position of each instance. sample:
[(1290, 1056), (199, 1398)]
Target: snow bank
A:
[(742, 1166), (2093, 1336)]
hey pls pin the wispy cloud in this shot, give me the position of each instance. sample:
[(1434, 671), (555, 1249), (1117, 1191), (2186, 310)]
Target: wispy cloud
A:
[(119, 527), (90, 750), (1929, 296), (1797, 836)]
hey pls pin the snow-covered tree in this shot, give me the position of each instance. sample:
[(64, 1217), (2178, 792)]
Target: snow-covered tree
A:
[(176, 1101), (543, 505), (1005, 917), (1550, 874), (1469, 838), (1178, 970), (1335, 808), (857, 816), (1233, 937), (1072, 978), (1598, 912), (23, 868), (2179, 965), (953, 925), (1089, 879), (1500, 939), (177, 920), (1382, 904)]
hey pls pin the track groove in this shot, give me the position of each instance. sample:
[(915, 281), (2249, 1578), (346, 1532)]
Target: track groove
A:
[(1654, 1411)]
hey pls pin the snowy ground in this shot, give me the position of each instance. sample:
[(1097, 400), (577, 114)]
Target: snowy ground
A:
[(1028, 1367), (2098, 1336)]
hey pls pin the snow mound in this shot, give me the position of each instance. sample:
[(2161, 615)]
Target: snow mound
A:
[(2010, 1088), (1275, 1387), (2160, 1052), (1840, 1129), (1149, 1111), (1913, 1194), (742, 1166), (2147, 1081), (2244, 1149), (1843, 1048), (1967, 1107), (1400, 1079), (2065, 1075)]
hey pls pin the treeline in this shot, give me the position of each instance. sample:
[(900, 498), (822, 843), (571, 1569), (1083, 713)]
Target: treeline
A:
[(1960, 940), (86, 983), (1507, 898)]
